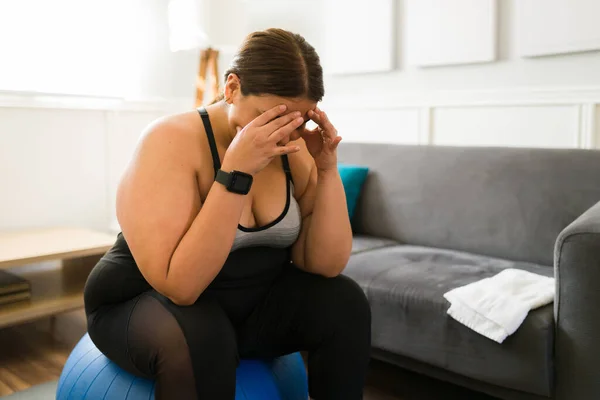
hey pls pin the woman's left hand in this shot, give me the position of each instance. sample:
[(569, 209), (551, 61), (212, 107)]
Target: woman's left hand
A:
[(322, 141)]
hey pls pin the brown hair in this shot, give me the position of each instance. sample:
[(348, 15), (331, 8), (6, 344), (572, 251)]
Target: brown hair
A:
[(278, 62)]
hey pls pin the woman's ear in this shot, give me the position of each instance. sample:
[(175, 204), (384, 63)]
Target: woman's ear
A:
[(232, 88)]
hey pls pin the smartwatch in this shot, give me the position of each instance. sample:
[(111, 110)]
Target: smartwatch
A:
[(235, 181)]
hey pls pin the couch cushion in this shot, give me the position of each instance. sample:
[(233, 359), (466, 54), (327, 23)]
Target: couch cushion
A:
[(353, 177), (480, 200), (405, 287), (361, 243)]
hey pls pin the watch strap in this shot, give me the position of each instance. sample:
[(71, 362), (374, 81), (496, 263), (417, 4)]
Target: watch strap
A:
[(223, 177)]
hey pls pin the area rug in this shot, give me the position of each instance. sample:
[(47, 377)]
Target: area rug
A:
[(45, 391)]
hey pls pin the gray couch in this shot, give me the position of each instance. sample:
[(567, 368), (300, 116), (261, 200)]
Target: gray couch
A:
[(433, 218)]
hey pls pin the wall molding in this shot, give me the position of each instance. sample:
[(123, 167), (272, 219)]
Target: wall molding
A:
[(471, 98), (425, 125), (565, 117), (587, 126), (585, 100), (75, 102), (425, 103), (406, 99)]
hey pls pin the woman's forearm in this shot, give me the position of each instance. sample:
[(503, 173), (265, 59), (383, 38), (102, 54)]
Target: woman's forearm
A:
[(202, 251), (329, 235)]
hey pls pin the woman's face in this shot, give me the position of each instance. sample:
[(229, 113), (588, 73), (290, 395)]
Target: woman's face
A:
[(243, 109), (246, 108)]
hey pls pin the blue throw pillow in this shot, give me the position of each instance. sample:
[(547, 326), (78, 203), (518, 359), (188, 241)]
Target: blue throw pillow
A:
[(353, 178)]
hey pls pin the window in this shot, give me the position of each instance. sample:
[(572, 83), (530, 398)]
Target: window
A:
[(82, 47)]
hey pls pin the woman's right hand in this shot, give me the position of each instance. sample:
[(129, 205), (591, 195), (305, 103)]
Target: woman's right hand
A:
[(255, 145)]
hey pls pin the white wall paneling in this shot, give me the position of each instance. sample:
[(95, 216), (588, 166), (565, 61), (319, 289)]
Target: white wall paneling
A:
[(528, 126), (123, 132), (51, 162), (425, 125), (351, 36), (446, 32), (399, 125), (61, 158), (595, 142), (300, 16), (587, 123), (548, 27), (554, 118), (359, 36)]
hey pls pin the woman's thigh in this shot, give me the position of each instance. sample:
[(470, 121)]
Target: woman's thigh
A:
[(141, 333), (301, 312)]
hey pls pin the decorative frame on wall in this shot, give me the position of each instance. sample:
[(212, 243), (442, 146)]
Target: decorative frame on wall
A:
[(336, 29), (349, 48), (432, 37), (553, 27)]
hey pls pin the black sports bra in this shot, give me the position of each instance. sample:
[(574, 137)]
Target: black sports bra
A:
[(282, 231)]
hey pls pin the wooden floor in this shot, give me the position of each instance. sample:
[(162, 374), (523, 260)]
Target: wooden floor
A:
[(23, 365), (35, 353)]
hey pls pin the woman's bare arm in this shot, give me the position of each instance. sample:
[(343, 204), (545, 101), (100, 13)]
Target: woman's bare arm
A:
[(179, 244), (325, 240)]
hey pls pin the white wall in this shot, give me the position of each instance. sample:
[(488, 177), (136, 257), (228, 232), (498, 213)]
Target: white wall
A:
[(159, 73), (61, 159), (509, 72), (61, 156), (543, 102), (99, 47)]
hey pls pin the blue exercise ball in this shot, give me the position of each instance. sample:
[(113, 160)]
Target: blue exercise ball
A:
[(89, 375)]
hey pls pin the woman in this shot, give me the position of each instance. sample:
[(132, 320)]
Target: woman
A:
[(208, 269)]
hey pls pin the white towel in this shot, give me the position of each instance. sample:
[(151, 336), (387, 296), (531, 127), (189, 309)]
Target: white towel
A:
[(495, 307)]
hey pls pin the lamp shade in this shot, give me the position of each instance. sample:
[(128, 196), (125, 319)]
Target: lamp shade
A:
[(197, 24)]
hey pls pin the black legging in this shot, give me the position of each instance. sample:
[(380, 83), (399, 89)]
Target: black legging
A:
[(260, 305)]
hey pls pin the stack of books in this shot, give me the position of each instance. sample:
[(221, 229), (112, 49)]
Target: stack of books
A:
[(13, 288)]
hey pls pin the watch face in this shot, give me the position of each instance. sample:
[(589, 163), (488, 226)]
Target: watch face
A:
[(240, 182)]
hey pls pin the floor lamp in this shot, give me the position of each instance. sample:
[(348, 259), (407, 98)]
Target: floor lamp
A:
[(207, 72), (199, 25)]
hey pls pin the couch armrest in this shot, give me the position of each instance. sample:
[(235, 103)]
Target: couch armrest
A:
[(577, 308)]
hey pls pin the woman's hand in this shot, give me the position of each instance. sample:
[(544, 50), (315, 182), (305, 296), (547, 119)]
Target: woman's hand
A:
[(256, 144), (322, 141)]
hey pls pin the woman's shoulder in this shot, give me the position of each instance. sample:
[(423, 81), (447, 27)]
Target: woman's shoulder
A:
[(179, 127), (176, 135)]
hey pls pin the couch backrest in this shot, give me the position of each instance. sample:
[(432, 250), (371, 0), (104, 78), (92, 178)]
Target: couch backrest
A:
[(503, 202)]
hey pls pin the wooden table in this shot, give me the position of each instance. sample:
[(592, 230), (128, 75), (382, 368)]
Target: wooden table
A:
[(56, 262)]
